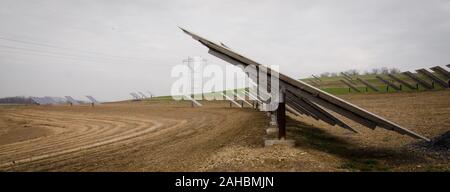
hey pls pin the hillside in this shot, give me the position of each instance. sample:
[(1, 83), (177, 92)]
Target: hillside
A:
[(334, 85)]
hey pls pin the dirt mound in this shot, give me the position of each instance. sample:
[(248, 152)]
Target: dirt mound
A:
[(441, 143), (438, 147)]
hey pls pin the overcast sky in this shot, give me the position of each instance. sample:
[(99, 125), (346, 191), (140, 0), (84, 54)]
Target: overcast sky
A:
[(111, 48)]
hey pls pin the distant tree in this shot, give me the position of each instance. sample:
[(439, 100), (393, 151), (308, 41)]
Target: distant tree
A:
[(333, 74), (384, 70), (366, 73), (394, 70), (375, 71), (352, 72), (325, 74)]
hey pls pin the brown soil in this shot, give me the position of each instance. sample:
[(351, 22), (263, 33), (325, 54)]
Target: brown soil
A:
[(172, 136)]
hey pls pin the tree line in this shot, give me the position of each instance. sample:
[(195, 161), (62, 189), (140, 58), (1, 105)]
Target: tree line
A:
[(374, 71)]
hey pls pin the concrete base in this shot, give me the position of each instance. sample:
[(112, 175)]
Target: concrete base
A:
[(273, 123), (279, 142), (272, 130), (273, 120)]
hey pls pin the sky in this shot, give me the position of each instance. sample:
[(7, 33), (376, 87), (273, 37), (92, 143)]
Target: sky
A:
[(109, 48)]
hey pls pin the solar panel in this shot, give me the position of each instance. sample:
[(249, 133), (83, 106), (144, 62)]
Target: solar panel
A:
[(315, 77), (231, 100), (387, 82), (253, 97), (135, 96), (441, 71), (242, 99), (42, 101), (49, 100), (307, 92), (37, 100), (93, 100), (402, 82), (71, 100), (143, 95), (348, 78), (433, 77), (368, 84), (193, 100), (346, 82), (418, 80)]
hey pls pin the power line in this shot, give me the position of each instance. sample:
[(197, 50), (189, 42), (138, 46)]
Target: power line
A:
[(70, 49), (45, 55), (59, 54), (73, 58)]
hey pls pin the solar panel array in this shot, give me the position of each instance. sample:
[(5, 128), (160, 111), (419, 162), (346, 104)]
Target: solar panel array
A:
[(423, 77), (309, 97), (45, 100)]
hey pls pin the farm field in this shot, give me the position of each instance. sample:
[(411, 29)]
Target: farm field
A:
[(165, 135)]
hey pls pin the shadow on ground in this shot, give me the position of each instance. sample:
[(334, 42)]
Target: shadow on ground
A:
[(356, 157)]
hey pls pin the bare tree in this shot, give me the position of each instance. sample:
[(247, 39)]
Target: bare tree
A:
[(375, 71), (352, 72), (394, 70), (325, 74), (384, 70)]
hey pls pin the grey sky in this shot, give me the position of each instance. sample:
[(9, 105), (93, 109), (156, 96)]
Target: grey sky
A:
[(117, 47)]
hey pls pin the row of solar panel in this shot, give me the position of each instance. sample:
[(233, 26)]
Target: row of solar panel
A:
[(139, 95), (445, 83), (57, 100)]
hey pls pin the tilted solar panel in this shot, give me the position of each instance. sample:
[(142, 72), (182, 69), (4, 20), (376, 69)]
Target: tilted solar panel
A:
[(135, 96), (37, 100), (93, 100), (71, 100), (308, 92), (142, 94)]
